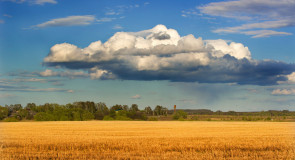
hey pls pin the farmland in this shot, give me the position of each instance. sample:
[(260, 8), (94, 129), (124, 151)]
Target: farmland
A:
[(146, 139)]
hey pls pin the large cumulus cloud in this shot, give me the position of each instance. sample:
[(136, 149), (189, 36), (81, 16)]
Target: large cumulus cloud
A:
[(162, 54)]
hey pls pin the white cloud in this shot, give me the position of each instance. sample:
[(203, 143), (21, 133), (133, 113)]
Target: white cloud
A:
[(291, 77), (147, 46), (234, 49), (136, 96), (68, 21), (162, 54), (283, 92), (262, 14), (96, 73), (2, 21)]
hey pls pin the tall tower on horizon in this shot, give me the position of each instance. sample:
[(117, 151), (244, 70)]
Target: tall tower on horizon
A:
[(174, 108)]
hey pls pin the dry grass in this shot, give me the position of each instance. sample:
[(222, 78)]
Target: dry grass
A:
[(147, 140)]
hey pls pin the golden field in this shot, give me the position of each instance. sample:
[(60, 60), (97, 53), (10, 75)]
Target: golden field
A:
[(147, 140)]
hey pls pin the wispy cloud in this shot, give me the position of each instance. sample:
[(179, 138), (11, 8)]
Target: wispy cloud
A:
[(105, 19), (8, 86), (2, 21), (67, 73), (111, 14), (189, 12), (263, 14), (283, 92), (6, 95), (117, 27), (136, 96), (31, 80), (93, 73), (37, 2), (120, 9), (68, 21), (41, 2), (75, 21), (22, 74), (37, 90), (7, 15)]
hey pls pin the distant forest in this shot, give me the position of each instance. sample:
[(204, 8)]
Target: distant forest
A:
[(83, 111)]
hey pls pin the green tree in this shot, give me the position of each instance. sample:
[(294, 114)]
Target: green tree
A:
[(3, 112), (22, 114), (148, 110), (61, 113), (116, 107), (31, 106), (76, 116), (126, 108), (42, 116), (134, 108), (112, 113), (99, 115), (86, 115), (158, 110)]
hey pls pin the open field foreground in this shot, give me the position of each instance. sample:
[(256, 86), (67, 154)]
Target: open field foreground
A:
[(147, 140)]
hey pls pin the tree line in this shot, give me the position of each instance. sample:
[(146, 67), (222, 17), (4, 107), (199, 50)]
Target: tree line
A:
[(78, 111), (82, 111)]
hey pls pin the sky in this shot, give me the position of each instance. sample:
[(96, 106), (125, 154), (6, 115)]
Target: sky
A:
[(219, 55)]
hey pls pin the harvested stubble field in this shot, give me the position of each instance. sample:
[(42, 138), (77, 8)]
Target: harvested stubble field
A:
[(147, 140)]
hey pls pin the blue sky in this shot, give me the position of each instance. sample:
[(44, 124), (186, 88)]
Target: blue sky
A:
[(219, 55)]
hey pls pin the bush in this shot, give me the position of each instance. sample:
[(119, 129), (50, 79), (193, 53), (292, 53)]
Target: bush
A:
[(11, 119), (42, 116), (152, 119), (123, 118), (180, 114), (195, 118), (181, 119), (108, 118), (64, 118)]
